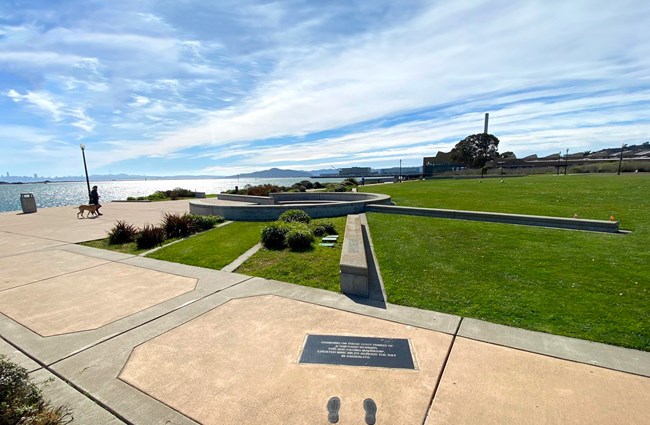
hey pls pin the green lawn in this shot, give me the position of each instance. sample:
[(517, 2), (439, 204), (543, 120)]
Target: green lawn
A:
[(318, 268), (215, 248), (587, 285)]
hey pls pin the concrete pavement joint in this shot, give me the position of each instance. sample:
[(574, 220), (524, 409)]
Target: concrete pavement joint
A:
[(70, 383), (115, 335), (442, 372)]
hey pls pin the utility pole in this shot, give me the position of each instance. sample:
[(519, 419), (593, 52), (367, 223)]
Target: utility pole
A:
[(620, 160)]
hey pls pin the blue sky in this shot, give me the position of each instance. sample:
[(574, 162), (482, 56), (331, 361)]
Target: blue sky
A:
[(225, 87)]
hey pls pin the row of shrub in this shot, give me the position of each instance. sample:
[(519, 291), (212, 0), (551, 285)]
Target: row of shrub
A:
[(303, 186), (162, 195), (612, 167), (174, 225), (21, 401), (293, 230)]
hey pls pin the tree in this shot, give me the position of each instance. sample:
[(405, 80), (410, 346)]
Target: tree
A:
[(476, 150)]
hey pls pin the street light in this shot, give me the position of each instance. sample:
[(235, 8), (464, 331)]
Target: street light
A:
[(566, 160), (83, 154), (620, 160), (400, 171)]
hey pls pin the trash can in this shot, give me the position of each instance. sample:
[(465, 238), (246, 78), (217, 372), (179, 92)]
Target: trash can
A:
[(28, 202)]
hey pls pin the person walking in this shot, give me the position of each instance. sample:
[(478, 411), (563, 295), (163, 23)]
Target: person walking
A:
[(94, 200)]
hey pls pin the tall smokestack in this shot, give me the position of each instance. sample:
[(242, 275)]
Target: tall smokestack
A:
[(487, 117)]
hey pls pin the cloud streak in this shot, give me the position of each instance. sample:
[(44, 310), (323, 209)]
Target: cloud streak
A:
[(297, 85)]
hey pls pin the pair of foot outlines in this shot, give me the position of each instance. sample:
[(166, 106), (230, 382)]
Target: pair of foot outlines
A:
[(334, 405)]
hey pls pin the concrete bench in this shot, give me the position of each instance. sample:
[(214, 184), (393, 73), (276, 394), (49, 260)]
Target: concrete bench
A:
[(354, 264)]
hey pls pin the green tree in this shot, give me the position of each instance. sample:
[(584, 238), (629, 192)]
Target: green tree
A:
[(476, 150)]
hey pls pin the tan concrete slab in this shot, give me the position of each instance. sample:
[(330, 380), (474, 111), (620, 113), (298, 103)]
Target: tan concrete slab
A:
[(62, 224), (240, 365), (12, 243), (89, 299), (489, 384), (31, 267)]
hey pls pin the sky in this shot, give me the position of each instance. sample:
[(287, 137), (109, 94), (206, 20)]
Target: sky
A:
[(202, 87)]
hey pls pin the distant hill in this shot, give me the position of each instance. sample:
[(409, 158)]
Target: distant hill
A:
[(274, 173)]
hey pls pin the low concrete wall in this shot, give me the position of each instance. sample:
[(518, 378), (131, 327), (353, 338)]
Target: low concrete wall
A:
[(326, 204), (525, 220), (262, 200), (354, 264)]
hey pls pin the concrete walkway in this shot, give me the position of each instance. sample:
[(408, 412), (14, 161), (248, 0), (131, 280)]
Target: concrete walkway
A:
[(129, 339)]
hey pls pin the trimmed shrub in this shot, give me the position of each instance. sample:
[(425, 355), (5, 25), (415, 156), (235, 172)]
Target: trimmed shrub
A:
[(157, 196), (263, 190), (299, 238), (273, 235), (329, 228), (318, 185), (206, 222), (336, 188), (291, 216), (319, 231), (122, 232), (150, 236), (21, 401), (177, 225)]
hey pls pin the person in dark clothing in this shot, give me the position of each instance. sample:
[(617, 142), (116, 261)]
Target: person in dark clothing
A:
[(94, 199)]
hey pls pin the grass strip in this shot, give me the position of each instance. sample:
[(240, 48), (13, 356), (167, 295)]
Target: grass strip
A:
[(317, 268), (215, 248)]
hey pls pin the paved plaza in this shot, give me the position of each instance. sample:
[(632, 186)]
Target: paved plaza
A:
[(128, 339)]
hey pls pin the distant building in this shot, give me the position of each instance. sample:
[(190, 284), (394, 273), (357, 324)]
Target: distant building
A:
[(406, 171), (440, 163), (355, 172)]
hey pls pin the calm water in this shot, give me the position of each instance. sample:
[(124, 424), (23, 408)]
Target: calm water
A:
[(75, 193)]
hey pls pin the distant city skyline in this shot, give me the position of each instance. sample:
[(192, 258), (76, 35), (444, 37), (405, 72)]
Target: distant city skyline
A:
[(222, 88)]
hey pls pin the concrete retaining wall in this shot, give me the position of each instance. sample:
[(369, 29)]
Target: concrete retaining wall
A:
[(326, 204), (354, 264), (526, 220)]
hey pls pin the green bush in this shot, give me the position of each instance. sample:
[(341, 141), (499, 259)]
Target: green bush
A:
[(263, 190), (274, 235), (150, 236), (205, 222), (318, 185), (291, 216), (336, 188), (21, 402), (178, 225), (329, 227), (319, 231), (157, 196), (299, 238), (122, 233)]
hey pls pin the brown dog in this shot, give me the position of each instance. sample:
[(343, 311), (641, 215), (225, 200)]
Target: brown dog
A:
[(91, 209)]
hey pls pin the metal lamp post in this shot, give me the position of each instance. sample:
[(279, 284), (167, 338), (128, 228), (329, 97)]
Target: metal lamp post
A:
[(620, 160), (400, 171), (566, 161), (83, 154)]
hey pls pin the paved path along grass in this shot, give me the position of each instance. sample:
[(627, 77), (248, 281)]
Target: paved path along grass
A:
[(223, 348)]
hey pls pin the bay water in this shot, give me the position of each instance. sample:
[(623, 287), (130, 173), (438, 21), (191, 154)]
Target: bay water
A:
[(58, 194)]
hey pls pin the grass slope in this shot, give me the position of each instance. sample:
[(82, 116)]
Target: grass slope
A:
[(587, 285), (318, 268), (215, 248)]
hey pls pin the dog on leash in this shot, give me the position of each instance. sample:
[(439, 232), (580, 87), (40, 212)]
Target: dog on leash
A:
[(90, 209)]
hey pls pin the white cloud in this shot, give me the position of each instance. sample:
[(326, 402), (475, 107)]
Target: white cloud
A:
[(411, 81)]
